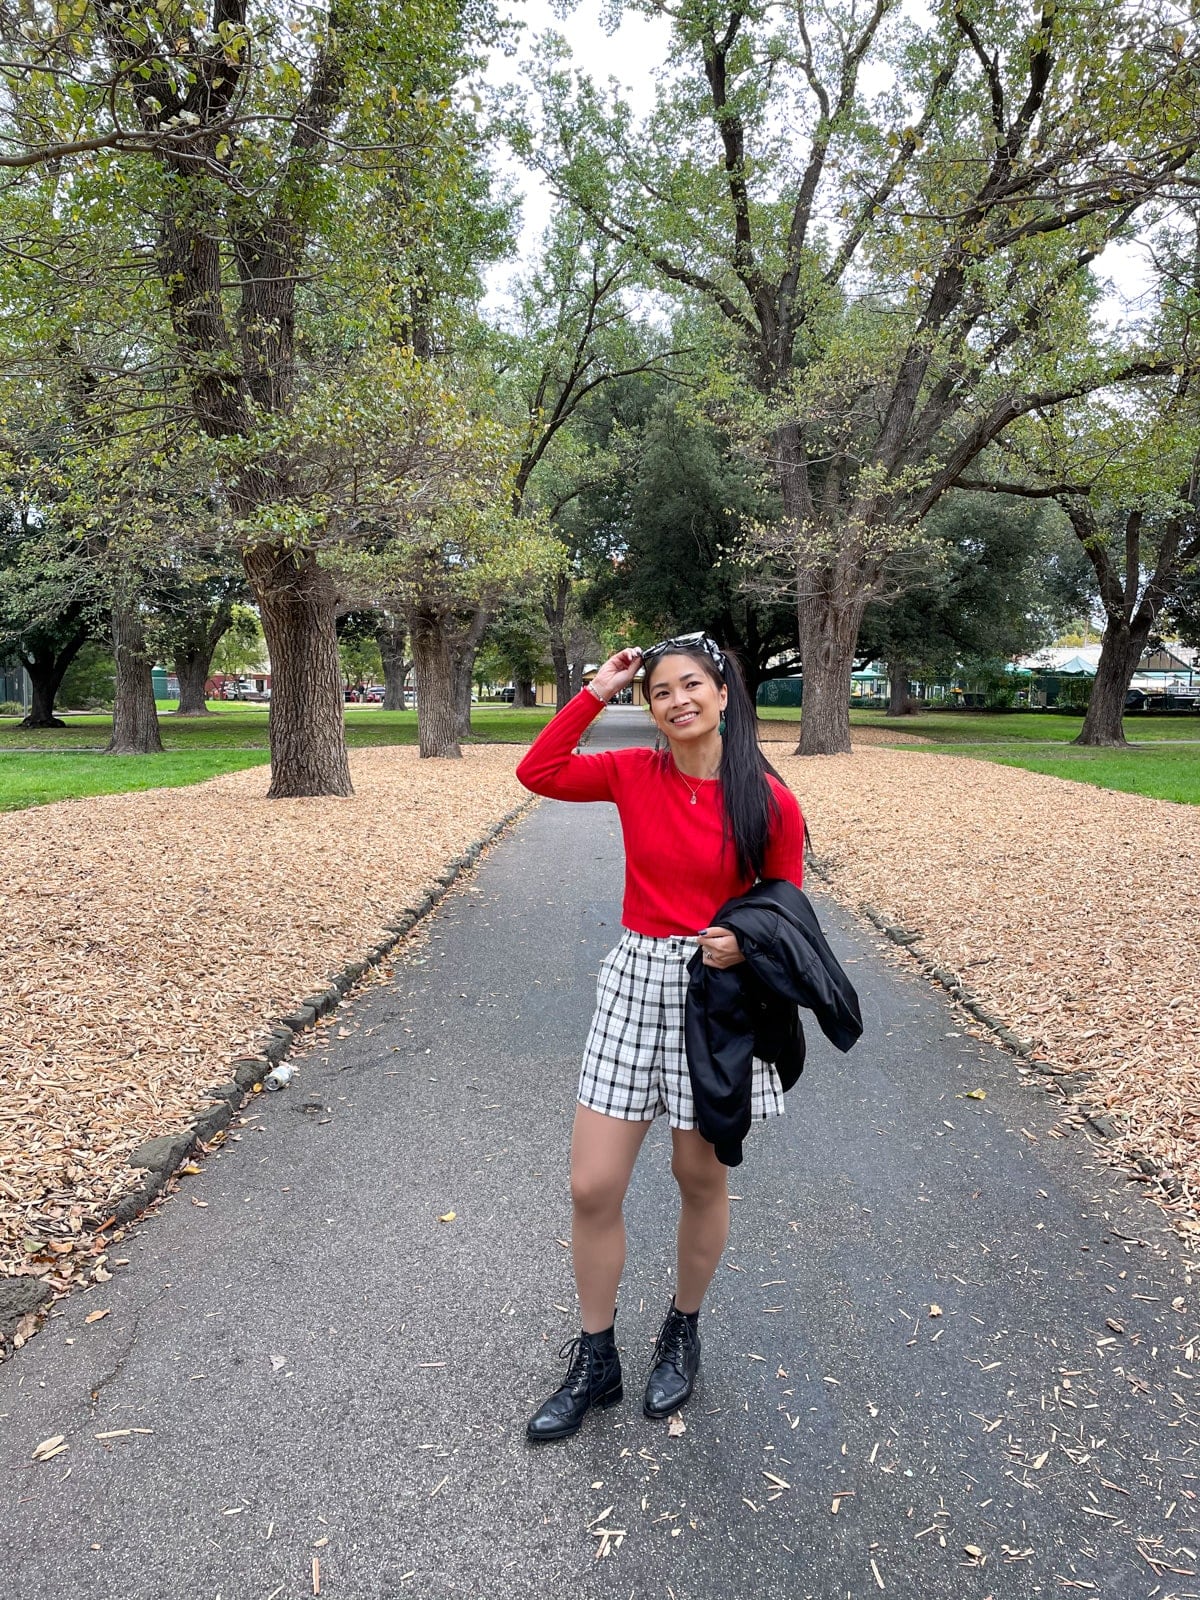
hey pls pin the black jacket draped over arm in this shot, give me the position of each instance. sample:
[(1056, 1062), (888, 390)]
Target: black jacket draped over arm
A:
[(734, 1014)]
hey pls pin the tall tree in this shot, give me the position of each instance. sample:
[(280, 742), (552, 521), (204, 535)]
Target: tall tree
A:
[(391, 638), (248, 151), (195, 612), (903, 271), (1128, 478), (419, 484)]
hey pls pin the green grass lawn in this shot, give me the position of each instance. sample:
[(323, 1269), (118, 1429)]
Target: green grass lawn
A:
[(37, 779), (244, 727), (43, 764), (1165, 771), (1163, 759), (1007, 727)]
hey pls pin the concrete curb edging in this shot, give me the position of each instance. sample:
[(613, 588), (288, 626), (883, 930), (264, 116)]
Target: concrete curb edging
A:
[(1071, 1086), (161, 1157)]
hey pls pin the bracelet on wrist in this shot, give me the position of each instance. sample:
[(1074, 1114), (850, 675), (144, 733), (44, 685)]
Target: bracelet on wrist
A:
[(593, 690)]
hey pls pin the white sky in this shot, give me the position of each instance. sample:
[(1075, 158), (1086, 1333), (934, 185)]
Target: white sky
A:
[(631, 54)]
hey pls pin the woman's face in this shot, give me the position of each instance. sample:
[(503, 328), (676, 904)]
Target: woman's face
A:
[(685, 701)]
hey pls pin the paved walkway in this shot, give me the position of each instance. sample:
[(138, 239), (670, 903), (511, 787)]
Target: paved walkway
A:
[(302, 1362)]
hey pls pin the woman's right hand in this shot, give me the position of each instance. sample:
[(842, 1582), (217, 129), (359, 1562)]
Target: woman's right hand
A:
[(617, 673)]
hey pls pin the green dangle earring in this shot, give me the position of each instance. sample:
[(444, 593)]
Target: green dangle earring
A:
[(721, 724)]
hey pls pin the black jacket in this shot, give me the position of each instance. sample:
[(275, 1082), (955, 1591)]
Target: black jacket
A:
[(736, 1013)]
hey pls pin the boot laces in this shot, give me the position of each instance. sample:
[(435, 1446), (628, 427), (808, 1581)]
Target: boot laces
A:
[(676, 1341), (581, 1354)]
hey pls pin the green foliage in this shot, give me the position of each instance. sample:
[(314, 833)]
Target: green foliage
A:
[(516, 646), (1074, 692), (1003, 576), (893, 217), (242, 647), (280, 207), (671, 515), (360, 660), (90, 680)]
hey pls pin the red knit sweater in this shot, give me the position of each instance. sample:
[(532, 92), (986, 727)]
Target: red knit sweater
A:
[(678, 866)]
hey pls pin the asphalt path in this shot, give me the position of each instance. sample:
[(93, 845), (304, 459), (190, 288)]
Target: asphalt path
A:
[(948, 1354)]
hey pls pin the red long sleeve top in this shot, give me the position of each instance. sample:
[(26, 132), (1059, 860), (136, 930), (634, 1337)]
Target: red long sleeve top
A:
[(679, 867)]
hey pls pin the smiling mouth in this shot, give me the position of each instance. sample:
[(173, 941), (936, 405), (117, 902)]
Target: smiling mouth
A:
[(684, 718)]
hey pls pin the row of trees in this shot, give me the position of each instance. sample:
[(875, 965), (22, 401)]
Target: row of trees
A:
[(783, 333)]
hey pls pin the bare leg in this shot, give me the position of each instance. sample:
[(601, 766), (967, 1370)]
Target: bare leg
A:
[(603, 1151), (703, 1215)]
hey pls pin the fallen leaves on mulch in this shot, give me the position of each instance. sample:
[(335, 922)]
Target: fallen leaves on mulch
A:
[(1073, 913), (146, 940)]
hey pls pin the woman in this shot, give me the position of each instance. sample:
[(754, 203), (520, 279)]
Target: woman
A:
[(701, 822)]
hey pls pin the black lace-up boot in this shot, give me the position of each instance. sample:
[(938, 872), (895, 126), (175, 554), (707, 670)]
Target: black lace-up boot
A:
[(676, 1363), (593, 1379)]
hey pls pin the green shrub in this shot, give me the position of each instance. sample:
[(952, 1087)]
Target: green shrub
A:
[(11, 708), (1074, 693), (1001, 697)]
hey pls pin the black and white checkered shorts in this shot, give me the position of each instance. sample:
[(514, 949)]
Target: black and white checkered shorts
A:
[(635, 1059)]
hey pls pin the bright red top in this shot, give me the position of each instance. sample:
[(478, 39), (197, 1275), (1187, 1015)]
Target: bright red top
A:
[(678, 866)]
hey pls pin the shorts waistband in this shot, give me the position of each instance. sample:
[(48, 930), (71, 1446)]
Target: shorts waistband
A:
[(673, 944)]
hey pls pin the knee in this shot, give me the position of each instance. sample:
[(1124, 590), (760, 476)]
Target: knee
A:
[(699, 1183), (595, 1196)]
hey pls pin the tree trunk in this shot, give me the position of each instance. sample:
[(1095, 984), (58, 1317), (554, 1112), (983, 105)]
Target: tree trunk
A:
[(390, 636), (192, 671), (899, 704), (575, 678), (554, 608), (463, 667), (45, 679), (47, 668), (44, 684), (524, 694), (463, 651), (1120, 652), (829, 613), (434, 672), (828, 634), (562, 673), (135, 716), (193, 659), (298, 605)]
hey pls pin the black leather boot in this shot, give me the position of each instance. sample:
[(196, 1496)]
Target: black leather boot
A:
[(593, 1379), (676, 1363)]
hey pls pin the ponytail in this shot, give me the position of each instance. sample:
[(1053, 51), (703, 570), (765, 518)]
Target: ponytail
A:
[(750, 807)]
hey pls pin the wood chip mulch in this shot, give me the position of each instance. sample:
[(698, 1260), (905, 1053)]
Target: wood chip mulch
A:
[(146, 940), (1072, 913), (787, 734)]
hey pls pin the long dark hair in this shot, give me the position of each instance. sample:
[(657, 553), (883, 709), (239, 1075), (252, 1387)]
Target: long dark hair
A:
[(750, 807)]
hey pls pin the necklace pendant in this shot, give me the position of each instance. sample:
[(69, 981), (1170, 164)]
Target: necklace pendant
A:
[(693, 799)]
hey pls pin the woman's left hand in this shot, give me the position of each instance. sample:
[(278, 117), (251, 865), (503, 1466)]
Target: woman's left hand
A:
[(720, 948)]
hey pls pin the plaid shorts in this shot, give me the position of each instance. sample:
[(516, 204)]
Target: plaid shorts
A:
[(635, 1059)]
